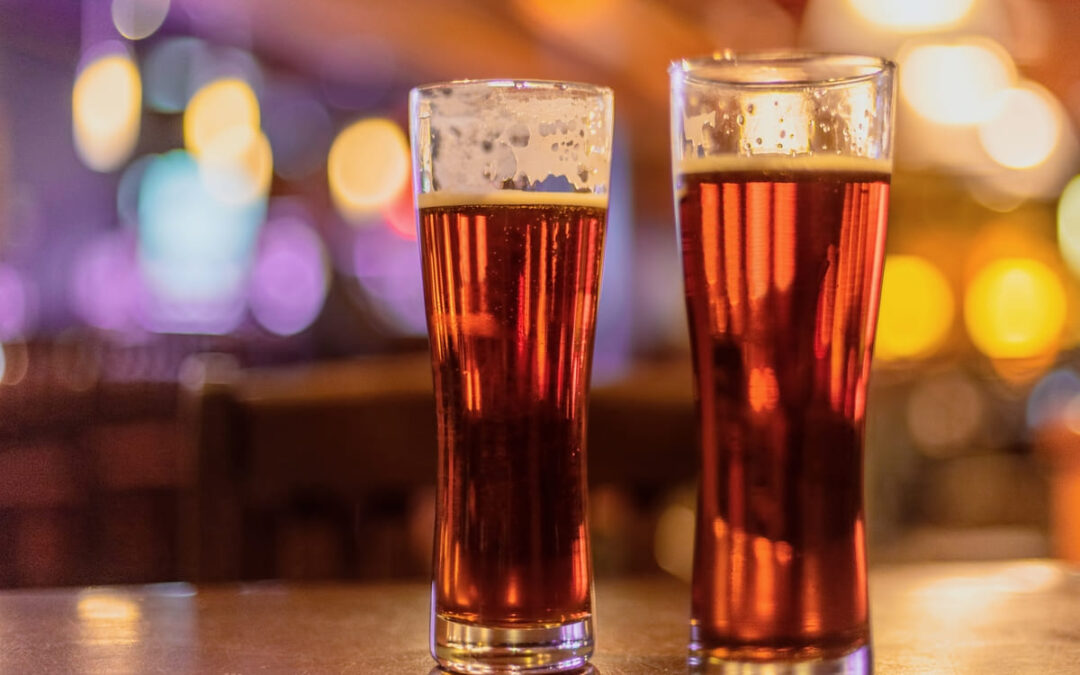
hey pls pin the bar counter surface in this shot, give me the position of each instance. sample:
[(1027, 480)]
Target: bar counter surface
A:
[(945, 618)]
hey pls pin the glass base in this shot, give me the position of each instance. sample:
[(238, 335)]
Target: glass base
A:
[(858, 662), (474, 649)]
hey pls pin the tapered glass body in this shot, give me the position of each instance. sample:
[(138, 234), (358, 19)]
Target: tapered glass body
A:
[(782, 167), (512, 252)]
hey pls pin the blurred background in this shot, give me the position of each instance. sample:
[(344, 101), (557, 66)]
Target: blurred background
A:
[(212, 342)]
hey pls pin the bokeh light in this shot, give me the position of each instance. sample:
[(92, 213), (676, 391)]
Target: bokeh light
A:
[(138, 19), (1015, 308), (400, 214), (1068, 225), (955, 83), (368, 166), (673, 541), (105, 282), (167, 72), (944, 413), (218, 109), (14, 303), (16, 362), (388, 269), (914, 15), (194, 249), (290, 277), (916, 309), (1024, 128), (238, 165), (105, 109), (1050, 397)]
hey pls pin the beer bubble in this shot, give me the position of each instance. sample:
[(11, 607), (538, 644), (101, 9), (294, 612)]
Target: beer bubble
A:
[(740, 119), (758, 140), (783, 132), (750, 109)]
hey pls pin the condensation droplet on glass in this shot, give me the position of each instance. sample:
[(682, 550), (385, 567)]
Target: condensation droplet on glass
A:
[(783, 133), (758, 140), (740, 119), (750, 108)]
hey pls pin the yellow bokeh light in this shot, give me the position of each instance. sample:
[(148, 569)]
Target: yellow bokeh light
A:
[(1068, 225), (105, 109), (1025, 127), (955, 83), (237, 166), (1015, 308), (914, 15), (917, 309), (216, 110), (368, 166)]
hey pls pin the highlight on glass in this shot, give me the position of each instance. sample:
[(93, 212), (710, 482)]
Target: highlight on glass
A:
[(782, 165), (511, 185)]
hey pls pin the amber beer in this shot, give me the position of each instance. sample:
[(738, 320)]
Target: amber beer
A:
[(782, 264), (511, 282)]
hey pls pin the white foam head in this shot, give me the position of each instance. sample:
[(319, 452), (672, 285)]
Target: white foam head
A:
[(819, 163), (430, 200)]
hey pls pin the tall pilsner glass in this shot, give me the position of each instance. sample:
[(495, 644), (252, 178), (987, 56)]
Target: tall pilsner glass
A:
[(511, 185), (781, 165)]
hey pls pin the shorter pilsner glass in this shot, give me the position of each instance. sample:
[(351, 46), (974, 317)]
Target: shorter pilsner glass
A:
[(782, 166), (511, 183)]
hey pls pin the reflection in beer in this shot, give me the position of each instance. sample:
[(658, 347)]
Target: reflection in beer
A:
[(511, 292), (782, 262)]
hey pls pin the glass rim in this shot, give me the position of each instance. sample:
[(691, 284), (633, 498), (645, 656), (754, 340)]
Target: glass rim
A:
[(861, 68), (570, 87)]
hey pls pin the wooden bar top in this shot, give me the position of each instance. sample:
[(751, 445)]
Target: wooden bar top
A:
[(1013, 617)]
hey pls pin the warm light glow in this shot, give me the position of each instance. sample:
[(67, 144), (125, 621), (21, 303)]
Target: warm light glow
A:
[(1068, 225), (216, 110), (955, 83), (368, 166), (1015, 308), (673, 545), (914, 15), (1025, 127), (236, 166), (916, 309), (105, 108), (137, 19), (105, 605), (566, 12)]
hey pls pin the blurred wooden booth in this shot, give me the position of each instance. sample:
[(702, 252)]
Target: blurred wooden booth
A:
[(327, 470)]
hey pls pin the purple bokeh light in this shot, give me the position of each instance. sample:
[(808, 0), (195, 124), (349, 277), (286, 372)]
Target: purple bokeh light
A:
[(105, 282), (14, 303), (388, 268), (289, 280)]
